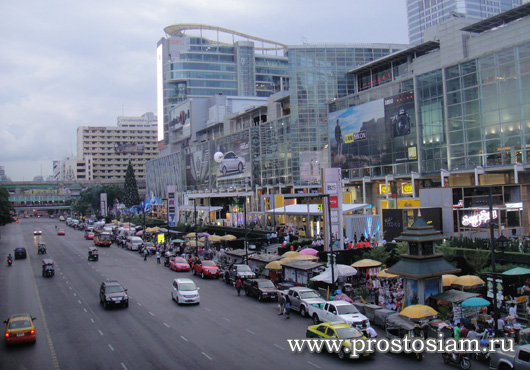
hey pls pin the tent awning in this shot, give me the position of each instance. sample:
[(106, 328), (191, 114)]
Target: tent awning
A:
[(188, 207), (301, 209), (454, 296)]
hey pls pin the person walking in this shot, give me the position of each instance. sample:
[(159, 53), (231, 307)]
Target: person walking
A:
[(145, 254), (281, 304), (287, 309), (158, 257), (239, 284)]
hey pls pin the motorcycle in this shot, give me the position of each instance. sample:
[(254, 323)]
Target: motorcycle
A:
[(9, 261), (461, 360), (483, 356)]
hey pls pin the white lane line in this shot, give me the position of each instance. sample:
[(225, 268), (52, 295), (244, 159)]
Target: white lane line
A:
[(123, 365), (227, 320), (208, 357), (70, 288), (75, 295), (280, 347), (138, 303), (315, 365), (166, 325), (100, 332), (79, 301), (206, 308), (92, 320), (152, 314), (84, 309), (184, 338), (250, 331), (112, 349)]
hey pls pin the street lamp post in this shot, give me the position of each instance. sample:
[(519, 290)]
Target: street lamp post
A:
[(494, 274), (196, 227), (365, 180)]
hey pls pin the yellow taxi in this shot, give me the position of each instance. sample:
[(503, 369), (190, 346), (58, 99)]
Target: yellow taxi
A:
[(20, 329), (339, 330)]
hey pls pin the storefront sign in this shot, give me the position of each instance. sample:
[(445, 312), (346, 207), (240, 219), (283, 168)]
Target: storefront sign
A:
[(478, 219), (333, 202), (406, 188)]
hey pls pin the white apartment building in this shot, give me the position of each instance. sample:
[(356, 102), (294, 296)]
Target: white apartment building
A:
[(111, 148)]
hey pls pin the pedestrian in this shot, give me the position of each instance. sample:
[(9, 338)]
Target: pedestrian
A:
[(239, 283), (287, 309), (145, 254), (158, 257), (281, 304)]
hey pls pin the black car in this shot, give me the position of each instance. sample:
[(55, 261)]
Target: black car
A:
[(112, 293), (20, 253), (262, 289)]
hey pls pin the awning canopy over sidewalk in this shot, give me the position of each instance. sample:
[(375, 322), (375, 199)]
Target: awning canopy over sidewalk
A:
[(301, 209)]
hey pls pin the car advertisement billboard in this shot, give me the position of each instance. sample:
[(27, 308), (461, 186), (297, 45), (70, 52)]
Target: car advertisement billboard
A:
[(232, 159)]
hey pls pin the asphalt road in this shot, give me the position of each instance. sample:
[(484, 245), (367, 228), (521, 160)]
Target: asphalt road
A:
[(225, 331)]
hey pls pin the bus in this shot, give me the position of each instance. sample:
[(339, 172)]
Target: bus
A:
[(102, 238)]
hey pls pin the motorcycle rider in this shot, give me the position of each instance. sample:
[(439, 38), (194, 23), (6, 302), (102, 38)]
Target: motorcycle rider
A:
[(9, 258)]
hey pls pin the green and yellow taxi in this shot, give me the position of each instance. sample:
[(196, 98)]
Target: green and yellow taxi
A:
[(338, 330)]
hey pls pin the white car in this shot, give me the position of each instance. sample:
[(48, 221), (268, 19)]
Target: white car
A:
[(231, 163), (185, 291)]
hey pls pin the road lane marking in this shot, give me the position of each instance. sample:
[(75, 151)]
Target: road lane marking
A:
[(123, 365), (206, 308), (152, 314), (92, 320), (250, 331), (84, 309), (315, 365), (166, 325), (208, 357), (111, 347), (280, 347), (75, 295), (79, 301), (100, 332), (184, 338), (227, 320), (138, 303)]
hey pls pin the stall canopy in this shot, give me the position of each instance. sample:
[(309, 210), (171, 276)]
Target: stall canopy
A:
[(517, 271), (454, 296), (301, 209)]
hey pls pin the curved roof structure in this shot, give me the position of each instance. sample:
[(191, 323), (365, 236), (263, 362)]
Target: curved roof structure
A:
[(177, 30)]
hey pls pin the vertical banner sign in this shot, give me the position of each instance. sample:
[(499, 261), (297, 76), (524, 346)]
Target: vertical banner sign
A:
[(103, 204), (332, 185), (171, 205)]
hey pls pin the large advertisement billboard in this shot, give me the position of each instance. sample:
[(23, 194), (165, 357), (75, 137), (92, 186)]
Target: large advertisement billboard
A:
[(179, 117), (128, 148), (197, 169), (374, 133), (231, 159)]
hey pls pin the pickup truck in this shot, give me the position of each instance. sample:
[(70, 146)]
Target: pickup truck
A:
[(301, 298), (261, 288), (517, 360), (238, 271), (338, 311)]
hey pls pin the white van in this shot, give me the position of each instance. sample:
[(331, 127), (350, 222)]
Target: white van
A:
[(133, 243)]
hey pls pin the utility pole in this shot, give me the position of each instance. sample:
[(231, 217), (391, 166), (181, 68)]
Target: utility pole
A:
[(494, 274)]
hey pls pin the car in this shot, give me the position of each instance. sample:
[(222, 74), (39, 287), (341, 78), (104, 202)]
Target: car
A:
[(37, 232), (89, 235), (133, 243), (60, 231), (150, 246), (179, 264), (61, 218), (231, 163), (263, 289), (20, 329), (185, 292), (20, 253), (338, 330), (112, 293), (238, 271), (301, 298), (206, 268)]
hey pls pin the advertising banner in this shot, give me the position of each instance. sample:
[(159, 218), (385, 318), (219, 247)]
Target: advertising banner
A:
[(232, 159), (103, 204), (179, 117), (197, 166), (399, 113), (128, 148)]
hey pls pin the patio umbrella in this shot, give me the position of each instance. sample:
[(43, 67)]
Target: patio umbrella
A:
[(383, 274), (448, 279), (418, 311), (476, 302), (204, 234), (195, 244), (139, 233), (290, 254), (338, 271), (366, 263), (163, 230), (190, 235), (468, 281), (214, 238), (177, 241), (517, 271), (274, 265), (228, 237), (309, 251), (285, 260), (305, 257)]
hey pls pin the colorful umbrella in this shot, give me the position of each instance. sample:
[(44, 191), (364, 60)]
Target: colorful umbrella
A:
[(309, 251), (228, 237), (448, 279), (366, 263), (305, 257), (274, 265), (177, 241), (476, 302), (195, 244), (418, 311), (286, 259), (468, 281), (290, 254), (383, 274), (190, 235)]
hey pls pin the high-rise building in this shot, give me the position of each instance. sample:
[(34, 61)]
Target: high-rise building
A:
[(206, 64), (422, 14), (108, 150)]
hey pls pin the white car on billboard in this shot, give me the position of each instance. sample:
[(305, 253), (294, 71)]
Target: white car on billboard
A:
[(231, 163)]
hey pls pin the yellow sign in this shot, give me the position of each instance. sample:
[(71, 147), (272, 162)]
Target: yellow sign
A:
[(402, 203), (160, 238), (382, 188), (348, 138), (347, 197), (278, 201), (412, 152), (406, 188), (320, 207), (267, 202)]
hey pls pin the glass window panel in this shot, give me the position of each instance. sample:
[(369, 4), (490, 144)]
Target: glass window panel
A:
[(470, 80), (472, 107), (507, 70), (491, 118), (490, 103), (454, 98), (473, 135), (489, 90), (456, 124), (457, 151), (456, 137), (510, 114), (471, 94), (524, 65), (524, 50), (452, 72), (505, 56), (507, 85), (455, 110), (487, 61), (469, 67), (458, 163), (488, 75), (525, 95), (474, 148), (453, 85)]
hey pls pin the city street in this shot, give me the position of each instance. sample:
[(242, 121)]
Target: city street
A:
[(225, 331)]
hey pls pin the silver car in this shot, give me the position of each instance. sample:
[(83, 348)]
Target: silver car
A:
[(231, 163)]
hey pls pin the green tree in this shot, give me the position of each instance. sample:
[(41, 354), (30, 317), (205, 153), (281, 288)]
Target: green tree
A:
[(476, 259), (377, 253), (5, 207), (89, 199), (130, 189)]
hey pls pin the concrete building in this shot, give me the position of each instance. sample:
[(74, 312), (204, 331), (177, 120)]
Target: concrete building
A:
[(103, 152), (422, 14)]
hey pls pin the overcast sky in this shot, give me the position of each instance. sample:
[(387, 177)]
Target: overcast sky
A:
[(66, 64)]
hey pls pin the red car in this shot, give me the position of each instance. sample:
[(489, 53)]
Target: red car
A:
[(89, 235), (206, 268), (60, 232), (179, 264)]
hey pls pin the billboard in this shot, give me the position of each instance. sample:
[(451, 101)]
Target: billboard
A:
[(399, 113), (197, 166), (232, 159), (128, 148), (179, 118), (310, 163)]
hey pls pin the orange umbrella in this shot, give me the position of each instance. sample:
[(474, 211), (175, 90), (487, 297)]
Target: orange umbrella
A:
[(468, 281), (448, 279)]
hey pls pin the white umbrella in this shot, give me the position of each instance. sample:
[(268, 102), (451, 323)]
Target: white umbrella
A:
[(338, 271)]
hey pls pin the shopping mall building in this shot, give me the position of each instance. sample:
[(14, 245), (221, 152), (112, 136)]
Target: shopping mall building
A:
[(436, 127)]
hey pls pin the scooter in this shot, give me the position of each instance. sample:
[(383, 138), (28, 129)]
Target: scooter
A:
[(9, 261), (483, 356), (462, 360)]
